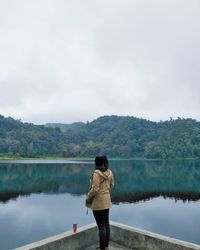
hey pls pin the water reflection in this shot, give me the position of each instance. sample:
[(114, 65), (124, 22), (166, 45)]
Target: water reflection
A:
[(164, 216), (39, 216), (24, 179), (51, 198), (135, 180), (143, 180)]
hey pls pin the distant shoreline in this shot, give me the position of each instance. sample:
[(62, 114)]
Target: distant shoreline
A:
[(45, 158), (7, 158)]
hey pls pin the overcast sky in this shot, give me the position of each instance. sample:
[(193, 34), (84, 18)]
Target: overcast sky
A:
[(76, 60)]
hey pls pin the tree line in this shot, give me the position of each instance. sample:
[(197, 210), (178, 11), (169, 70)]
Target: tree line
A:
[(115, 136)]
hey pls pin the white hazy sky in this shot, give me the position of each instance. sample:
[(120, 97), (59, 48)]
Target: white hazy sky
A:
[(76, 60)]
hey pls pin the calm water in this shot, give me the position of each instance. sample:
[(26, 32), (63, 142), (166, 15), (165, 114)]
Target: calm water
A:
[(43, 198)]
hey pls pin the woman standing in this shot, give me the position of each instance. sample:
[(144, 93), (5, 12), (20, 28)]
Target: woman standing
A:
[(98, 198)]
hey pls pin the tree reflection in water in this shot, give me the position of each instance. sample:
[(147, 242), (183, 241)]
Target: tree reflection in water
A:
[(135, 180)]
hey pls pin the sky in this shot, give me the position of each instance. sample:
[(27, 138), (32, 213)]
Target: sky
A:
[(73, 60)]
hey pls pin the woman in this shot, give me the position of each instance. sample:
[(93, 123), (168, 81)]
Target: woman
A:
[(98, 198)]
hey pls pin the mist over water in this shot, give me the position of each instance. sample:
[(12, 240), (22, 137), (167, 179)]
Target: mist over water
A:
[(42, 199)]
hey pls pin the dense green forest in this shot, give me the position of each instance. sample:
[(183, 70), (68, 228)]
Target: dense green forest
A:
[(116, 136)]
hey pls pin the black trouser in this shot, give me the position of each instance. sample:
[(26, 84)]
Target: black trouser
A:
[(102, 220)]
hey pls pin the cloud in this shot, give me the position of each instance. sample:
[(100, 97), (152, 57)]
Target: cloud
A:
[(65, 61)]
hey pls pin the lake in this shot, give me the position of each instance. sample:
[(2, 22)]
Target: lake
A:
[(42, 198)]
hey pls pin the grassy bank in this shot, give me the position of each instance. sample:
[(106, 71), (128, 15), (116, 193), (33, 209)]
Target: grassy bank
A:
[(92, 158), (44, 158)]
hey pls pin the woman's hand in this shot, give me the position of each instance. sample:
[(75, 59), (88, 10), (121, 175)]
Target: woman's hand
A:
[(88, 201)]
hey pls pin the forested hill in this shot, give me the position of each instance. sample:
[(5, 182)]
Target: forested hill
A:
[(115, 136)]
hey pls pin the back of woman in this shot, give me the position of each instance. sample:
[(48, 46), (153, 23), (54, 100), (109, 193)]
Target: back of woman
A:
[(98, 198), (102, 182)]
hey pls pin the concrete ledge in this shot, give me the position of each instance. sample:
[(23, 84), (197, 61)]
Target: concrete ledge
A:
[(129, 237), (135, 238), (83, 238)]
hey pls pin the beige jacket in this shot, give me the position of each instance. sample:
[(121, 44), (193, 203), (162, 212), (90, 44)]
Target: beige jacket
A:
[(99, 194)]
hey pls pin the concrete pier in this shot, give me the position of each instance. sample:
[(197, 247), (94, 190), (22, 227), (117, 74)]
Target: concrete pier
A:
[(122, 237), (134, 238)]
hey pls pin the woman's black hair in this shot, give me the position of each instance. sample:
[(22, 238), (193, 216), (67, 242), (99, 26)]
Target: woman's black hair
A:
[(101, 163)]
